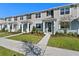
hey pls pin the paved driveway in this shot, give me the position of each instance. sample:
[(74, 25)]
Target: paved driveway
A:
[(52, 51)]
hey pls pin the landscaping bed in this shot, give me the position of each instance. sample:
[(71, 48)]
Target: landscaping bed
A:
[(64, 41), (34, 38), (7, 52)]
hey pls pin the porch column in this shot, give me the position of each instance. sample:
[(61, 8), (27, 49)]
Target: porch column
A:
[(54, 28), (70, 25), (59, 26), (28, 28), (0, 26), (78, 31), (43, 26), (12, 28), (22, 28), (18, 26), (8, 27)]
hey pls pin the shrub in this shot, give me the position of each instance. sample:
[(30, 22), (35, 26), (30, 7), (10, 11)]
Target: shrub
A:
[(6, 30), (36, 31), (75, 34), (65, 31), (59, 33), (70, 33), (3, 30), (19, 31)]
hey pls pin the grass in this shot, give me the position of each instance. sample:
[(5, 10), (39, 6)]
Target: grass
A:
[(67, 42), (2, 34), (34, 38), (7, 52)]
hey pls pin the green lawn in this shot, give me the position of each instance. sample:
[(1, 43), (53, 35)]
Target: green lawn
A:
[(34, 38), (67, 42), (2, 34), (7, 52)]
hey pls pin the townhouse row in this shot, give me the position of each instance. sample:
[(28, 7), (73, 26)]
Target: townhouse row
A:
[(51, 20)]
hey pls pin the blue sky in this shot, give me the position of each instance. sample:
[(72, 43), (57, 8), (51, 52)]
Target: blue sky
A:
[(13, 9)]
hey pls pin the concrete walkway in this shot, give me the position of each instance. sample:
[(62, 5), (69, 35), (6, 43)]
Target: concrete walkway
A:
[(43, 43), (12, 44), (52, 51), (13, 35)]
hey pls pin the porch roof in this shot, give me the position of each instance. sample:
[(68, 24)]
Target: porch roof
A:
[(66, 18), (78, 18), (15, 22), (49, 19), (26, 21)]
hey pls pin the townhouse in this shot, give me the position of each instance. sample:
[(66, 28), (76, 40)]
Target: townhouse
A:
[(52, 20)]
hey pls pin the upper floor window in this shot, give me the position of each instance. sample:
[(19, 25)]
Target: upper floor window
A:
[(73, 6), (67, 10), (5, 19), (48, 13), (28, 16), (15, 18), (9, 19), (21, 17), (62, 11), (38, 15)]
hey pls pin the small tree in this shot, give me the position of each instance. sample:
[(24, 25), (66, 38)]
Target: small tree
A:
[(34, 29)]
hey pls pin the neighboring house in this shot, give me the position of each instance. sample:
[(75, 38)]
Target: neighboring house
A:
[(52, 20)]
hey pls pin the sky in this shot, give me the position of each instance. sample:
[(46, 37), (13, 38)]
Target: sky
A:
[(13, 9)]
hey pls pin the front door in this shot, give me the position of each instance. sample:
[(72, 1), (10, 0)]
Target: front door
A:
[(48, 26), (25, 27)]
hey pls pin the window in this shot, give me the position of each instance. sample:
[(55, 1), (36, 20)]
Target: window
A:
[(9, 19), (67, 10), (64, 25), (15, 18), (29, 16), (62, 11), (38, 15), (5, 19), (38, 25), (48, 13), (73, 6), (21, 17)]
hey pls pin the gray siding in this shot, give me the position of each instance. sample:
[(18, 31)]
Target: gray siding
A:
[(74, 24)]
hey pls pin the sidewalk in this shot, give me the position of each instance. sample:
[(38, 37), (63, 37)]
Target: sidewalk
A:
[(52, 51), (13, 35), (12, 44)]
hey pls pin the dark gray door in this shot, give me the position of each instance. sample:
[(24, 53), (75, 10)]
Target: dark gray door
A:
[(48, 26)]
